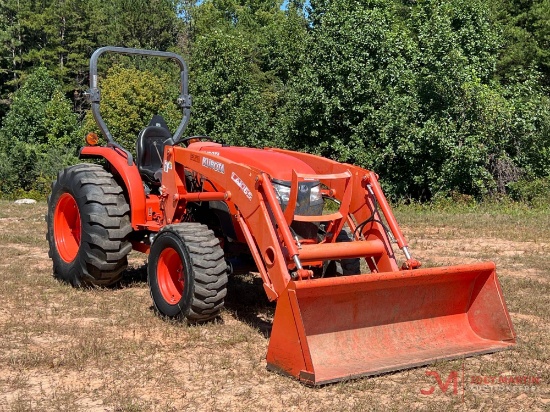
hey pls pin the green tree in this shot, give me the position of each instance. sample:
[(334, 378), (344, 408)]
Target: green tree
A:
[(11, 42), (145, 23), (39, 134), (242, 55), (526, 40), (409, 90), (62, 34)]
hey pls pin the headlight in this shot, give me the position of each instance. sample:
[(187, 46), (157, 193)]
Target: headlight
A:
[(309, 199), (282, 191), (315, 194)]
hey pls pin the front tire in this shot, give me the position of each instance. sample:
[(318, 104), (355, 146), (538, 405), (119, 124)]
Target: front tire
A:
[(187, 273), (88, 224)]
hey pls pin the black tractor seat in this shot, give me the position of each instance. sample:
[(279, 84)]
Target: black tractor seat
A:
[(150, 151)]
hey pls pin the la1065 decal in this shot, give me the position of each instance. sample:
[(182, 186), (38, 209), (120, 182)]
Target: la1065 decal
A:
[(242, 185)]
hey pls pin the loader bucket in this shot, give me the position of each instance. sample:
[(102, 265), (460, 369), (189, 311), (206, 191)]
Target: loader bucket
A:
[(332, 329)]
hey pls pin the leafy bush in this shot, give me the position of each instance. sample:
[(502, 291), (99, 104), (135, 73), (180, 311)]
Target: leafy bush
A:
[(130, 98), (242, 55), (534, 192), (38, 137), (409, 89)]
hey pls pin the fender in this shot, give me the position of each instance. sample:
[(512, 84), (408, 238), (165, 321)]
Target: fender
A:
[(129, 175)]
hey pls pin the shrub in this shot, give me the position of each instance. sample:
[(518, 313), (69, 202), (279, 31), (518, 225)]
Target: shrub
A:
[(39, 135), (534, 192)]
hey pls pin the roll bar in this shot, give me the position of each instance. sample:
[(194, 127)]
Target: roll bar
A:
[(94, 95)]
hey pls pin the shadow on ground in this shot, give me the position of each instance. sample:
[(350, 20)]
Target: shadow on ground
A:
[(247, 301), (133, 276)]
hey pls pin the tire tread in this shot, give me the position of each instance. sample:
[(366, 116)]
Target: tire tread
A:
[(209, 270), (105, 220)]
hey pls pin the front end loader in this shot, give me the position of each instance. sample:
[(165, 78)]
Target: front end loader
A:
[(345, 308)]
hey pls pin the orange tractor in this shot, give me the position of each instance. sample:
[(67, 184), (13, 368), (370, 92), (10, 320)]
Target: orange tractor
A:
[(344, 307)]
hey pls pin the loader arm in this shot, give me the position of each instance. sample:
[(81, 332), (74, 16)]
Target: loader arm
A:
[(278, 255), (329, 329), (242, 187)]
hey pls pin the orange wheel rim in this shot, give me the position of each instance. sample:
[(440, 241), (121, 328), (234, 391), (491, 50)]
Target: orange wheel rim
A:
[(170, 275), (67, 227)]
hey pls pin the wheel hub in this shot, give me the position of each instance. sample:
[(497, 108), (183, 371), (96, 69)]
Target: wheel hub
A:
[(67, 227), (170, 276)]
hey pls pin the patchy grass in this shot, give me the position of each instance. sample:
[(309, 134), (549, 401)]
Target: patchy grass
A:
[(63, 349)]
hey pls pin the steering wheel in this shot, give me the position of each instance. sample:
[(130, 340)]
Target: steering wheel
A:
[(191, 139)]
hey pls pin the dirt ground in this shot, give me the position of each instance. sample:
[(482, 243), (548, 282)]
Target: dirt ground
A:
[(63, 349)]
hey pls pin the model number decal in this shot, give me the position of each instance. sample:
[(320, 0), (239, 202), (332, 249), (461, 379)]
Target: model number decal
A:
[(242, 185), (212, 164)]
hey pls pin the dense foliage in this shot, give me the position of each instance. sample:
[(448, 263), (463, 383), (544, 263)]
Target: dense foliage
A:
[(412, 92), (436, 97), (129, 100), (39, 135)]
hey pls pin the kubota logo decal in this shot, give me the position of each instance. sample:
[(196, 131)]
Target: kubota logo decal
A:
[(242, 185), (212, 164)]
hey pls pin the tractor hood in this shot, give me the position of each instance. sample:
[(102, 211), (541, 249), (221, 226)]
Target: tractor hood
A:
[(277, 165)]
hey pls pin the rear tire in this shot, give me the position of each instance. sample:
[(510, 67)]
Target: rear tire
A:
[(88, 224), (187, 272)]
